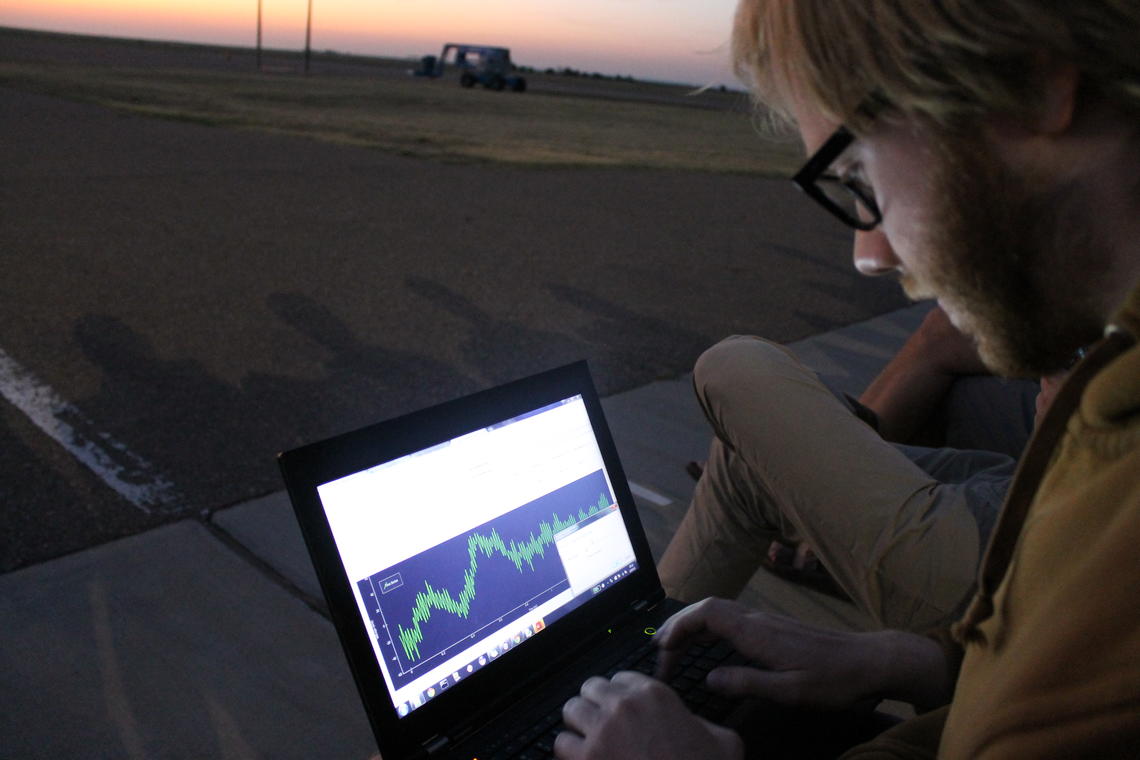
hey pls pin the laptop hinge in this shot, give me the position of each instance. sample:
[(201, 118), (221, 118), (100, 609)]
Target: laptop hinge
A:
[(435, 744)]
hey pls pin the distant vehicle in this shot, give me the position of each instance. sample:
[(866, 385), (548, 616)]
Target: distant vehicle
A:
[(477, 64)]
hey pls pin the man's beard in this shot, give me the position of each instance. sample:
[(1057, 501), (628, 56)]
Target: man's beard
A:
[(1013, 266)]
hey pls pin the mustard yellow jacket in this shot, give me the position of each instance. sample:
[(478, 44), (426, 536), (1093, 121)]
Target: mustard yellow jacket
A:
[(1051, 666)]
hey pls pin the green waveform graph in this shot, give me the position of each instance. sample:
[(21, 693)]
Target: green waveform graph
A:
[(535, 545)]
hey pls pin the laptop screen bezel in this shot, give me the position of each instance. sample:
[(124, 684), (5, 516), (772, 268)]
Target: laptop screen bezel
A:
[(306, 468)]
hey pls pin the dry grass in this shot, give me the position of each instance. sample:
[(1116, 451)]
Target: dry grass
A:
[(431, 119)]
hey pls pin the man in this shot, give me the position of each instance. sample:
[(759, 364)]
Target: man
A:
[(991, 149)]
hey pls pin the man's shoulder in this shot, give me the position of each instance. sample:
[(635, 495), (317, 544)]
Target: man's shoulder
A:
[(1111, 403)]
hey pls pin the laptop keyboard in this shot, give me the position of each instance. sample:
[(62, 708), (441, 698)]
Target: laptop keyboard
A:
[(536, 741)]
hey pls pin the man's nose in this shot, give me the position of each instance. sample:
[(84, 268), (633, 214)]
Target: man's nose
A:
[(873, 253)]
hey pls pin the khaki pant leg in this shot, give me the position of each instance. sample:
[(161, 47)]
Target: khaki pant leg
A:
[(790, 459), (724, 534)]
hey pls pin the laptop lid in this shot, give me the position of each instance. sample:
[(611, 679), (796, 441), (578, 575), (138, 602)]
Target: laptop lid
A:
[(469, 550)]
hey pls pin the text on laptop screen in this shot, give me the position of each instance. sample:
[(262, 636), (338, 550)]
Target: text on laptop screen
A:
[(460, 552)]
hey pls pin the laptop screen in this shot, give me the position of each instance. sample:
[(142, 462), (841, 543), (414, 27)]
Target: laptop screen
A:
[(465, 550)]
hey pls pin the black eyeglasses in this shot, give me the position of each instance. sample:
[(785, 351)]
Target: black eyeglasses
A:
[(849, 199)]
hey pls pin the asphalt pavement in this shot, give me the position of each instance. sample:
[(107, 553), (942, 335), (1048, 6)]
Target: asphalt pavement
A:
[(180, 302)]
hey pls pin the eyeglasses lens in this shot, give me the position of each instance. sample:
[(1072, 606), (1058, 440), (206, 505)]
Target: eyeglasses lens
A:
[(845, 198)]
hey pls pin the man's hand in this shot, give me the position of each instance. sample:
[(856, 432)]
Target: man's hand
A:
[(1050, 384), (797, 664), (947, 348), (912, 387), (634, 716)]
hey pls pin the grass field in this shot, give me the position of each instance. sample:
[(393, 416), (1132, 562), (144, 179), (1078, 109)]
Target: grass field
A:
[(424, 118)]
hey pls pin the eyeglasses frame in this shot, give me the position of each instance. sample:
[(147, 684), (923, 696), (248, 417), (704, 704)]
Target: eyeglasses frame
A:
[(807, 177)]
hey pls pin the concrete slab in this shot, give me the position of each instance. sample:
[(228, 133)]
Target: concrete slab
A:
[(267, 527), (850, 357), (168, 645), (679, 433)]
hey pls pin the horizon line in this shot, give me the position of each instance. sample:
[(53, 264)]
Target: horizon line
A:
[(331, 51)]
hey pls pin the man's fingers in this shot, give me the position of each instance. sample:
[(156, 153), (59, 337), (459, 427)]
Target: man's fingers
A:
[(580, 714), (595, 689), (686, 623), (568, 746), (628, 679), (744, 681), (707, 619), (603, 692)]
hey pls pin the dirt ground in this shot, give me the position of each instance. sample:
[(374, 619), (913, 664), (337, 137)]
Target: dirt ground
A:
[(23, 45), (559, 121)]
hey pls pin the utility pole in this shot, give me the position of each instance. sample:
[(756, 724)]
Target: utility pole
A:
[(259, 35), (308, 36)]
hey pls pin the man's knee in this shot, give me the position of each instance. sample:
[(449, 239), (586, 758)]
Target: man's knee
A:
[(742, 362), (742, 356)]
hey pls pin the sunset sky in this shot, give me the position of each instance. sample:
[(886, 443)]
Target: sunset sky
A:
[(671, 40)]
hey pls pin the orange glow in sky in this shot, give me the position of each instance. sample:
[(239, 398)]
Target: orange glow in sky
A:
[(674, 40)]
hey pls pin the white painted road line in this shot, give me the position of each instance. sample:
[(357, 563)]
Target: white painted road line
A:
[(649, 495), (133, 477)]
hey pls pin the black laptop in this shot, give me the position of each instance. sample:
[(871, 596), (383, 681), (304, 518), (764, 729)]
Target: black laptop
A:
[(480, 558)]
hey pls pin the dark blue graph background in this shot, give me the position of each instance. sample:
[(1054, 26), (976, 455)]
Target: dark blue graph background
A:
[(500, 588)]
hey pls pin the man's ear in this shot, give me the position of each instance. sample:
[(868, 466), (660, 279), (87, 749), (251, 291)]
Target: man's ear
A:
[(1060, 81), (1055, 110)]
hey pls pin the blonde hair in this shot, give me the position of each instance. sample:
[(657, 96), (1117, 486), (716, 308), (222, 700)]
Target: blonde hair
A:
[(947, 61)]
